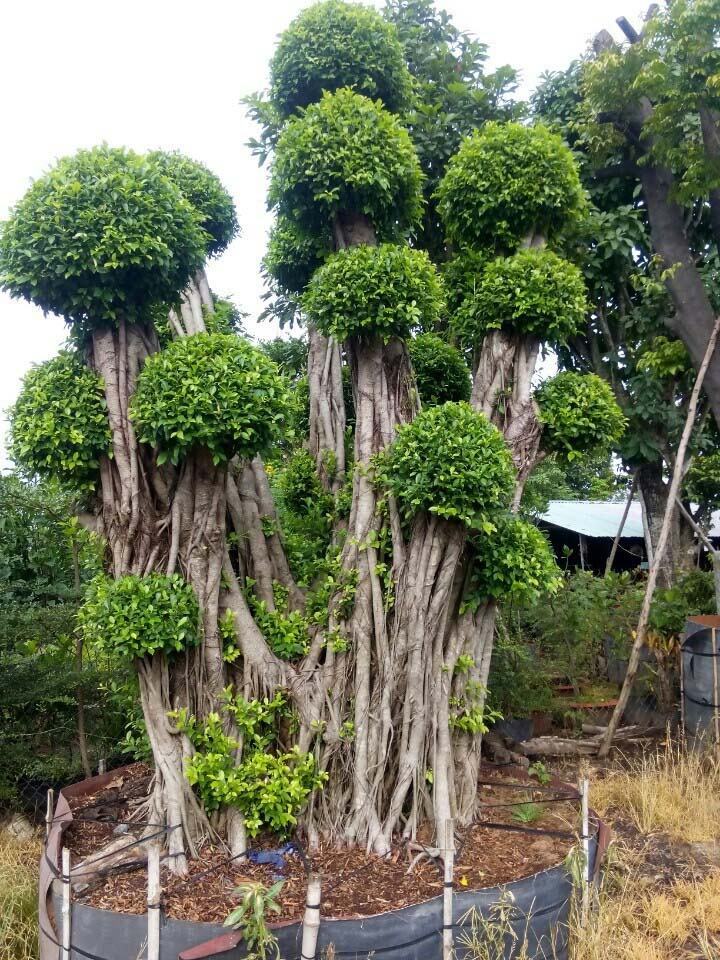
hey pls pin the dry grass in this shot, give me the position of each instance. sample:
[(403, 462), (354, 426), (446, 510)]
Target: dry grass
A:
[(18, 898), (635, 921), (672, 791)]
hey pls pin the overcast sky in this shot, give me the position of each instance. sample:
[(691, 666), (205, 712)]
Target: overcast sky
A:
[(152, 74)]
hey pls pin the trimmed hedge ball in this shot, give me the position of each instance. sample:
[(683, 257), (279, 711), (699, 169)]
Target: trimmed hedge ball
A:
[(516, 561), (139, 616), (580, 415), (441, 373), (206, 193), (450, 461), (213, 391), (331, 45), (386, 291), (58, 426), (103, 235), (533, 292), (346, 153), (293, 257), (506, 181)]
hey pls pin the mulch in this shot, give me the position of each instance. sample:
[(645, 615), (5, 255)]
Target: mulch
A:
[(355, 883)]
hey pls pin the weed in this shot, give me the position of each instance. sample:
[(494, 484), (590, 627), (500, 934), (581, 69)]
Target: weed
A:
[(18, 898)]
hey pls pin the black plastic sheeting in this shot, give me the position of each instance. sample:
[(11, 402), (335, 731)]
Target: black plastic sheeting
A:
[(537, 908), (701, 677)]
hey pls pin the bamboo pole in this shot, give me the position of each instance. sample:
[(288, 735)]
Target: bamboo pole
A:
[(311, 918), (66, 904), (153, 902), (49, 812), (626, 511), (677, 475), (449, 858)]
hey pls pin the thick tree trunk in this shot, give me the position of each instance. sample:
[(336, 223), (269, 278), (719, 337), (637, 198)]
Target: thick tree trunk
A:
[(654, 492), (326, 441)]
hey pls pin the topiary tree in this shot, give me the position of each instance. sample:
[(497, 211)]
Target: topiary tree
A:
[(579, 415), (372, 657)]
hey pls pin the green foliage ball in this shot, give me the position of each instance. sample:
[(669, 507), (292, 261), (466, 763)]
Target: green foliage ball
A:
[(516, 562), (533, 292), (213, 391), (292, 257), (332, 45), (450, 461), (441, 373), (387, 291), (103, 235), (505, 181), (139, 616), (346, 153), (205, 192), (58, 425), (579, 414)]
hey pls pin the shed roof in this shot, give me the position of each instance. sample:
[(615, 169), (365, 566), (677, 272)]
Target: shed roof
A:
[(600, 518)]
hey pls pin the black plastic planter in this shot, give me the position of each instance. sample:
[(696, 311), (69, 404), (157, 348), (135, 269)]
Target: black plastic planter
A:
[(701, 678), (535, 908)]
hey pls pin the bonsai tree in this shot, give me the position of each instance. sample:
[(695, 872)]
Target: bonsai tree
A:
[(358, 689)]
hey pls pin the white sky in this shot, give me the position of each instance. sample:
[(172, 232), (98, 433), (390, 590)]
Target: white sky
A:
[(169, 74)]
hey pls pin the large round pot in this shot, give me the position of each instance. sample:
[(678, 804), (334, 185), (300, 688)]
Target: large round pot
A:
[(537, 909)]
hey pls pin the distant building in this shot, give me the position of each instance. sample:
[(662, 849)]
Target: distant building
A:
[(582, 533)]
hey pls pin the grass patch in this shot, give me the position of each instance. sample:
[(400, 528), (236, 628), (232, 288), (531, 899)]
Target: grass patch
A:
[(18, 897), (670, 790), (638, 922)]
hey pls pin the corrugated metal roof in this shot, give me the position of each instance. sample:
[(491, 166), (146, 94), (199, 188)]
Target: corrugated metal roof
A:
[(598, 518)]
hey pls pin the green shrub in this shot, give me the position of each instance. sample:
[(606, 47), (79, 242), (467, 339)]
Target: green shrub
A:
[(139, 616), (269, 787), (59, 425), (212, 391), (691, 596), (533, 292), (516, 560), (346, 153), (103, 235), (506, 181), (450, 461), (331, 45), (292, 257), (579, 414), (441, 373), (386, 291), (205, 192)]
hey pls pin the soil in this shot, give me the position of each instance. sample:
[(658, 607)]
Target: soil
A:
[(355, 884)]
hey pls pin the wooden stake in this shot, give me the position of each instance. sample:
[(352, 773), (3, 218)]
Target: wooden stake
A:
[(716, 688), (449, 857), (311, 918), (49, 812), (585, 811), (101, 766), (626, 511), (683, 732), (153, 902), (677, 476), (66, 905)]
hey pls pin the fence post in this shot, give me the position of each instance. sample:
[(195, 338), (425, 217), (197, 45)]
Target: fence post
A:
[(153, 902), (66, 904), (311, 919), (449, 858), (49, 813)]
